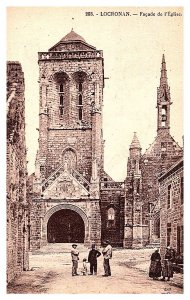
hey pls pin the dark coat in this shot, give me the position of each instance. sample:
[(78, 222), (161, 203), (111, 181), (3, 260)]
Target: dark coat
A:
[(93, 255), (167, 270), (155, 265)]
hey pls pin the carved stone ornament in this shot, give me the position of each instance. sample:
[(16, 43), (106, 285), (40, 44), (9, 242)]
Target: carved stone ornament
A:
[(65, 187)]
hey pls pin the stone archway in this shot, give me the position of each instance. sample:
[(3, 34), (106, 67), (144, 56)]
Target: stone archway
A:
[(65, 226), (72, 222)]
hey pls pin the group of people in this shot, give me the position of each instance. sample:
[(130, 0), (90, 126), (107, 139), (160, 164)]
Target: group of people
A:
[(92, 259), (157, 270)]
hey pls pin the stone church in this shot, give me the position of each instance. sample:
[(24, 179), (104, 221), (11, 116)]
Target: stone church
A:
[(74, 199)]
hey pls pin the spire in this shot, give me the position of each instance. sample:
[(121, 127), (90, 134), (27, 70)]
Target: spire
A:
[(163, 78), (135, 142), (163, 100)]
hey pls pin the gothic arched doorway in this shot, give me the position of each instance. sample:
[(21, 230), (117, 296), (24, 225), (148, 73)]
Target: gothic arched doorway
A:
[(65, 226)]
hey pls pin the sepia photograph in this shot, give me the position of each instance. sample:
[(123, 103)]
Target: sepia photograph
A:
[(94, 150)]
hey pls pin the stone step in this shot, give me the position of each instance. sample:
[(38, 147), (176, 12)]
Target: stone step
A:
[(153, 245), (59, 248)]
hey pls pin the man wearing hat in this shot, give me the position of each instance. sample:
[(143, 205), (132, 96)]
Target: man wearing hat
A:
[(75, 258), (107, 254)]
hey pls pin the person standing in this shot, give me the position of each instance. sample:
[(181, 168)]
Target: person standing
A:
[(75, 258), (155, 265), (167, 270), (92, 259), (107, 254)]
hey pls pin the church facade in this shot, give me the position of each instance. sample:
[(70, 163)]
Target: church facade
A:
[(74, 199)]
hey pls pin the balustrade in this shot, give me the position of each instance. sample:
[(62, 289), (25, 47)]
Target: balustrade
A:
[(69, 55)]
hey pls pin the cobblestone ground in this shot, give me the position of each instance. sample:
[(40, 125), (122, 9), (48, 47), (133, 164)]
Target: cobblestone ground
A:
[(50, 273)]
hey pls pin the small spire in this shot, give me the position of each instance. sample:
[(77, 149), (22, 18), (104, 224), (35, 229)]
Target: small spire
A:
[(135, 142), (163, 58), (163, 78)]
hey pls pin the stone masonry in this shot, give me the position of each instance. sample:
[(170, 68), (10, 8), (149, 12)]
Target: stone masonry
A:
[(18, 212), (171, 203)]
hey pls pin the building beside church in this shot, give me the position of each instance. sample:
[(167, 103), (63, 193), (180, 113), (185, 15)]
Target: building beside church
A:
[(74, 199), (18, 208), (142, 205), (172, 208)]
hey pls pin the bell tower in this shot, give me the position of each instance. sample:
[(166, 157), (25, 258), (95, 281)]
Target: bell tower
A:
[(70, 156), (163, 101)]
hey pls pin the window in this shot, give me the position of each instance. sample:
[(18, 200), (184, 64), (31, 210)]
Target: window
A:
[(105, 182), (111, 214), (80, 87), (61, 88), (80, 112), (61, 99), (169, 234), (41, 168), (80, 99), (61, 111), (169, 196), (163, 146), (111, 217), (181, 189), (164, 115)]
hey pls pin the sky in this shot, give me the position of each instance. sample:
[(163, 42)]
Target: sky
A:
[(132, 48)]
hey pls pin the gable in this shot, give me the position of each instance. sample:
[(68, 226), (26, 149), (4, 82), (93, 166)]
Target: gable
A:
[(163, 144), (65, 187)]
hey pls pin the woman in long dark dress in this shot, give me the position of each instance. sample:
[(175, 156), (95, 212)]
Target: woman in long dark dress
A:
[(155, 265)]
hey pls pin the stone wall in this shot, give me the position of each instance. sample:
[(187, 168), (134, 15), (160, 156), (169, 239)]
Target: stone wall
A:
[(57, 132), (43, 209), (171, 216), (159, 157), (112, 230), (80, 141), (18, 212)]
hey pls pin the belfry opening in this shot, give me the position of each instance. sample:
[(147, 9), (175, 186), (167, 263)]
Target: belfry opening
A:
[(65, 226)]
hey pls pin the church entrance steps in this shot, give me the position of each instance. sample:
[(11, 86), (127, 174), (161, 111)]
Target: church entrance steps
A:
[(52, 248), (153, 245)]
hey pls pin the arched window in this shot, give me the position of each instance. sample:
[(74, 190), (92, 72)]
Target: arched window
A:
[(111, 214), (80, 87), (69, 159), (61, 88), (111, 217)]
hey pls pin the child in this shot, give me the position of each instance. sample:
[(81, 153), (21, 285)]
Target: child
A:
[(84, 267)]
